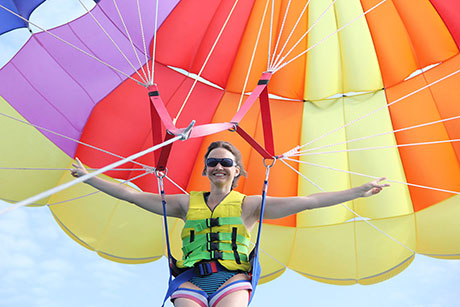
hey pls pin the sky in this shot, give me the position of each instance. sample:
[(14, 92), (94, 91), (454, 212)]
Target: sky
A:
[(41, 266)]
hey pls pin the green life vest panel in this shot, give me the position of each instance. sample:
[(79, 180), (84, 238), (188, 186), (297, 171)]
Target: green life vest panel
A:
[(215, 235)]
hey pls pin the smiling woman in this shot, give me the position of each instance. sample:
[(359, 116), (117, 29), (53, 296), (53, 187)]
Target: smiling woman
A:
[(368, 55), (216, 261)]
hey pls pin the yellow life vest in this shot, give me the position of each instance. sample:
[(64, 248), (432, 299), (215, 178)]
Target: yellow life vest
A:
[(215, 235)]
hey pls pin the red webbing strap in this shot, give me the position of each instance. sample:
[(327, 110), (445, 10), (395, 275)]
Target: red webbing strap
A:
[(254, 143), (260, 92), (207, 129), (252, 98), (267, 122), (159, 115), (162, 158), (161, 108)]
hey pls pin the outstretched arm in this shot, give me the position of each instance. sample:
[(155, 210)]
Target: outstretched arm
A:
[(149, 201), (278, 207)]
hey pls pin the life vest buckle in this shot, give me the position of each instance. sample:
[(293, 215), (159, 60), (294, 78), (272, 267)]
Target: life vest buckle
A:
[(212, 222), (216, 255), (213, 246), (213, 236)]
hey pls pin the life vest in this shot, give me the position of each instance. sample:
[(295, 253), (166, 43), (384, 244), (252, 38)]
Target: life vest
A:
[(215, 235)]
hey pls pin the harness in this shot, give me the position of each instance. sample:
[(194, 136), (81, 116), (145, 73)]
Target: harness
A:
[(160, 115)]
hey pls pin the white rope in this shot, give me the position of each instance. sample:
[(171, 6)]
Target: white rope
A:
[(294, 152), (152, 77), (143, 39), (330, 35), (379, 109), (290, 34), (253, 55), (206, 61), (377, 147), (113, 42), (178, 186), (281, 31), (301, 175), (271, 34), (374, 177), (87, 176), (69, 138), (59, 169), (73, 46), (131, 41), (363, 219), (278, 62), (95, 192)]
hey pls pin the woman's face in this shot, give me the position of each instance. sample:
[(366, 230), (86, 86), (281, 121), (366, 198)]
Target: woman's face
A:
[(219, 175)]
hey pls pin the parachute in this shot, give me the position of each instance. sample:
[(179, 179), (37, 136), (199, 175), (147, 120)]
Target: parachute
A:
[(360, 89)]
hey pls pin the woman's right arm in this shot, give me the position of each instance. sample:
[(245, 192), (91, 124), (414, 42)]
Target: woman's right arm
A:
[(176, 205)]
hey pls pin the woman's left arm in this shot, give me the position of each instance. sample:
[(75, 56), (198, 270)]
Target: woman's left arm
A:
[(278, 207)]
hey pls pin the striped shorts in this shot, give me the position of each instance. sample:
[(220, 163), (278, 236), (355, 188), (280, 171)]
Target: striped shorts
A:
[(210, 300)]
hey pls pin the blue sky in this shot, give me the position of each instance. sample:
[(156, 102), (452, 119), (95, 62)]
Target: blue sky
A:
[(41, 266)]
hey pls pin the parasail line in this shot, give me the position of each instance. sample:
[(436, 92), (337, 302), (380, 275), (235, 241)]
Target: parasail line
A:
[(252, 57), (115, 44), (355, 213), (278, 59), (60, 169), (206, 61), (300, 174), (330, 35), (290, 34), (69, 138), (143, 37), (371, 136), (381, 108), (98, 191), (374, 177), (178, 186), (273, 258), (281, 31), (64, 186), (75, 47), (376, 147), (152, 77), (271, 34), (131, 41)]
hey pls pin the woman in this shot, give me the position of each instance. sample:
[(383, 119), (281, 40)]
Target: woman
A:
[(223, 167)]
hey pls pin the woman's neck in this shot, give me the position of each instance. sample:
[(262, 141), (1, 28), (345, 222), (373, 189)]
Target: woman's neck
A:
[(218, 193)]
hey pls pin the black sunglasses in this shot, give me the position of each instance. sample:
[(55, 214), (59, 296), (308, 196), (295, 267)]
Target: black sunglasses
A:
[(225, 162)]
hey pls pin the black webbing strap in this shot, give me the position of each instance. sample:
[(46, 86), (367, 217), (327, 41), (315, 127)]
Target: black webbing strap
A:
[(234, 246)]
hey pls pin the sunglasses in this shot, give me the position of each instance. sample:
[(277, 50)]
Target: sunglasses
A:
[(225, 162)]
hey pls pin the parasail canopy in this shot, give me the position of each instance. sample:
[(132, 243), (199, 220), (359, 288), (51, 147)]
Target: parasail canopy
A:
[(360, 89)]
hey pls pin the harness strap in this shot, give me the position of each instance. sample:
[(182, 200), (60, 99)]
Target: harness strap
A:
[(212, 255), (200, 225), (202, 239), (212, 245), (256, 269)]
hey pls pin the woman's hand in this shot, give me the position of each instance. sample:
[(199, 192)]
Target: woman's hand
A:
[(373, 187), (78, 170)]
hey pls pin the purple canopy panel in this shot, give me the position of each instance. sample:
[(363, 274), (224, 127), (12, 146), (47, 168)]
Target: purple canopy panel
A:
[(130, 14), (55, 86)]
